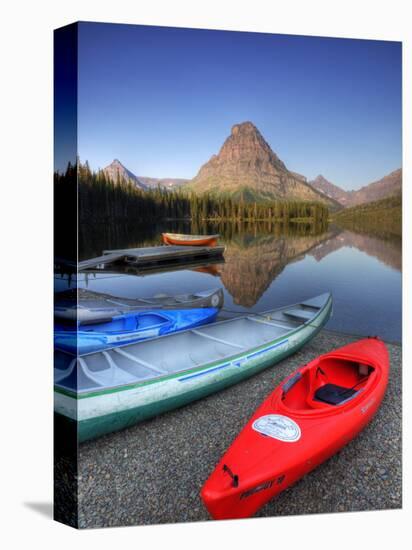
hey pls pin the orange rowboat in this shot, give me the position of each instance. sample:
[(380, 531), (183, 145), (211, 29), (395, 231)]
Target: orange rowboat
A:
[(190, 240)]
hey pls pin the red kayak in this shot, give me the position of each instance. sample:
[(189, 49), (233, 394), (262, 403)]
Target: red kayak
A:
[(310, 416)]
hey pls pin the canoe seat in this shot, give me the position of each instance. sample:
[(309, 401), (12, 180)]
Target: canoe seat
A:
[(333, 394), (301, 314)]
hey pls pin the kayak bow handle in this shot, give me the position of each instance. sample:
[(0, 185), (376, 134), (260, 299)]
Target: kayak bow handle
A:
[(235, 478)]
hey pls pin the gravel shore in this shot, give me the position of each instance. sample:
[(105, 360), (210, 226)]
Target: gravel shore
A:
[(152, 473)]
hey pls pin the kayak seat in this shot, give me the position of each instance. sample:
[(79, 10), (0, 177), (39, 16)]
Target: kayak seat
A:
[(333, 394)]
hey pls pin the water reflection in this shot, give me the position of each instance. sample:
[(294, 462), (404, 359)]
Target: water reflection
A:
[(252, 263), (255, 254), (387, 251), (94, 239), (266, 267)]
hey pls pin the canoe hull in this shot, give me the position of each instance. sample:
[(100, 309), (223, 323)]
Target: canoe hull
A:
[(108, 411), (279, 464), (81, 305), (170, 239), (100, 336)]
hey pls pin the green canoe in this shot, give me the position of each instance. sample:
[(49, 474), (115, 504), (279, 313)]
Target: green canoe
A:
[(113, 389)]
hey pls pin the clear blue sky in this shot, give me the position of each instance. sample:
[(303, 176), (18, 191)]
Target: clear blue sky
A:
[(163, 100)]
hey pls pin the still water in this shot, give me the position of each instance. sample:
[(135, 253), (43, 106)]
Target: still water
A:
[(263, 269)]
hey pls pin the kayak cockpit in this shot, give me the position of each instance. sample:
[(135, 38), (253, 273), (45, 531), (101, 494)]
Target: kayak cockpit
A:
[(328, 383)]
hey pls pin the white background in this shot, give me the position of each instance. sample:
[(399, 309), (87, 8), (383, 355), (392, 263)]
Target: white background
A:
[(26, 270)]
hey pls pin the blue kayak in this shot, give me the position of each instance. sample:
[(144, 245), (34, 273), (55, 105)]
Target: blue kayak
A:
[(127, 328)]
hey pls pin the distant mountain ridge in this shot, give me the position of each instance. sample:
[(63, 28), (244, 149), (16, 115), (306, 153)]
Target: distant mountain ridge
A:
[(166, 183), (116, 171), (328, 188), (388, 186), (247, 167)]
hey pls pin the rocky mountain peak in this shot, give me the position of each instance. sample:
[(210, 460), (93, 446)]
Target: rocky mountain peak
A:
[(331, 190), (389, 185), (246, 143), (247, 167), (116, 171), (245, 127)]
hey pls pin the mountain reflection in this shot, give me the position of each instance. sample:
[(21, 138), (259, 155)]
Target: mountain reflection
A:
[(253, 262), (256, 254), (387, 251)]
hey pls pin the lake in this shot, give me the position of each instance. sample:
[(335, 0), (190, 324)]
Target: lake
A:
[(265, 267)]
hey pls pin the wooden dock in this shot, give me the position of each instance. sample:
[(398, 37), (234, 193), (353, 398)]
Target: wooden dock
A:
[(154, 255), (206, 265), (100, 261)]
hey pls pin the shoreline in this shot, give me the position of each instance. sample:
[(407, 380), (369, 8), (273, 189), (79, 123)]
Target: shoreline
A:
[(152, 473)]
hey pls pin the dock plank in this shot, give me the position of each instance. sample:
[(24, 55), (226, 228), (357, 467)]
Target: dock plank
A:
[(151, 255), (100, 260), (154, 254)]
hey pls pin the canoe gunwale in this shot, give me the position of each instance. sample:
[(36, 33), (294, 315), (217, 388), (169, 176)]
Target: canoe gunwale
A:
[(137, 305), (95, 425), (206, 366), (110, 339), (184, 236), (262, 314)]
